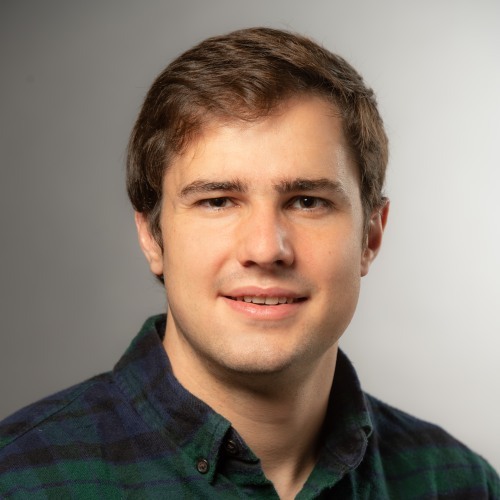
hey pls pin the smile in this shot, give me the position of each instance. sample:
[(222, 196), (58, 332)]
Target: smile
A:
[(267, 301)]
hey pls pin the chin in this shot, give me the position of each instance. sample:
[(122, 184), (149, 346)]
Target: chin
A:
[(259, 367), (260, 361)]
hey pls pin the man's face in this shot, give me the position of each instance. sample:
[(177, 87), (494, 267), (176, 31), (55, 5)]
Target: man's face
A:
[(262, 228)]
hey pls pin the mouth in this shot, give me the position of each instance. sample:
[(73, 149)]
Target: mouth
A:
[(267, 301)]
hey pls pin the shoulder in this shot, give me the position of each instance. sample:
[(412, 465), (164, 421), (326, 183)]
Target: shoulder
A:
[(410, 449), (60, 440), (56, 422), (392, 422), (401, 430)]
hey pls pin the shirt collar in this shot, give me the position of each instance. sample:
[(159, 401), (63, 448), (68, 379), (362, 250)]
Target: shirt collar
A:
[(145, 375), (347, 427)]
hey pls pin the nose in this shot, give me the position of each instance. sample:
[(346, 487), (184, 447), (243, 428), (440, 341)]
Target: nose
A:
[(264, 241)]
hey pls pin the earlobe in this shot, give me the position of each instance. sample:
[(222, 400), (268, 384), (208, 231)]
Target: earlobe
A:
[(149, 245), (374, 235)]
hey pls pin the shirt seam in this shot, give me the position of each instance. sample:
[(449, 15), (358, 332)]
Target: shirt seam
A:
[(45, 416)]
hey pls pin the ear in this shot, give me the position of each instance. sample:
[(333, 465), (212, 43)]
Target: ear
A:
[(149, 246), (373, 240)]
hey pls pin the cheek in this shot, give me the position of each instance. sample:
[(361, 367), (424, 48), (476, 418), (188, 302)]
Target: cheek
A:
[(341, 281), (193, 252), (335, 257)]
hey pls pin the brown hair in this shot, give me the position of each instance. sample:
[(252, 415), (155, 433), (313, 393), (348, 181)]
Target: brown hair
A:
[(246, 75)]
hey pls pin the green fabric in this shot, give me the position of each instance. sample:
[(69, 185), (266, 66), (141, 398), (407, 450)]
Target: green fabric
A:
[(136, 432)]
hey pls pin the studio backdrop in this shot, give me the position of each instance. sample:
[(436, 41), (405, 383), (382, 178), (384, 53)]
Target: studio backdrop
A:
[(75, 287)]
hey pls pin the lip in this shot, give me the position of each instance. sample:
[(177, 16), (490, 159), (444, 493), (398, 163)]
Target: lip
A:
[(263, 312), (255, 291)]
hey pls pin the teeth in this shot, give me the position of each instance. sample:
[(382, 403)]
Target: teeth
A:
[(257, 300), (272, 301), (268, 301)]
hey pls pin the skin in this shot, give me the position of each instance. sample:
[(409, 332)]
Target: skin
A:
[(268, 209)]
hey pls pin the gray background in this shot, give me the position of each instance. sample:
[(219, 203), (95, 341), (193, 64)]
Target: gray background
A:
[(74, 287)]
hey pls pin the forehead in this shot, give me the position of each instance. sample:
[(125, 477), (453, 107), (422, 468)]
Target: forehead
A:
[(303, 137)]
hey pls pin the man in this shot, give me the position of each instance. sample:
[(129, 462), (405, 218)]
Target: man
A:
[(256, 170)]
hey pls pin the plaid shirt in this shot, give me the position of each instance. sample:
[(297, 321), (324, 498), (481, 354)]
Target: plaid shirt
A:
[(137, 433)]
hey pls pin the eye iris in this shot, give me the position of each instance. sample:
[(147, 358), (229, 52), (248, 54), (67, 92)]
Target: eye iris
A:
[(218, 202), (307, 202)]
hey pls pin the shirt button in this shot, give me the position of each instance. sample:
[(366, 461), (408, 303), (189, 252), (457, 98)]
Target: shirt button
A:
[(202, 465), (231, 447)]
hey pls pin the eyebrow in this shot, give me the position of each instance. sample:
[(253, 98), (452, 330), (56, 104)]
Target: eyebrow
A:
[(205, 186), (304, 184), (285, 186)]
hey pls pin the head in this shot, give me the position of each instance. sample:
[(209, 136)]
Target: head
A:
[(246, 76), (256, 168)]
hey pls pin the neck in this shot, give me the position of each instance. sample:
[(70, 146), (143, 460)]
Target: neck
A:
[(279, 415), (283, 429)]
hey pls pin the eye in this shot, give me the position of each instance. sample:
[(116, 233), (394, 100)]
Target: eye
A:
[(308, 203), (217, 203)]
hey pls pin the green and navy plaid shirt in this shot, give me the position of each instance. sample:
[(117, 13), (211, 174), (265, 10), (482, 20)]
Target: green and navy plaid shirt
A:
[(137, 433)]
